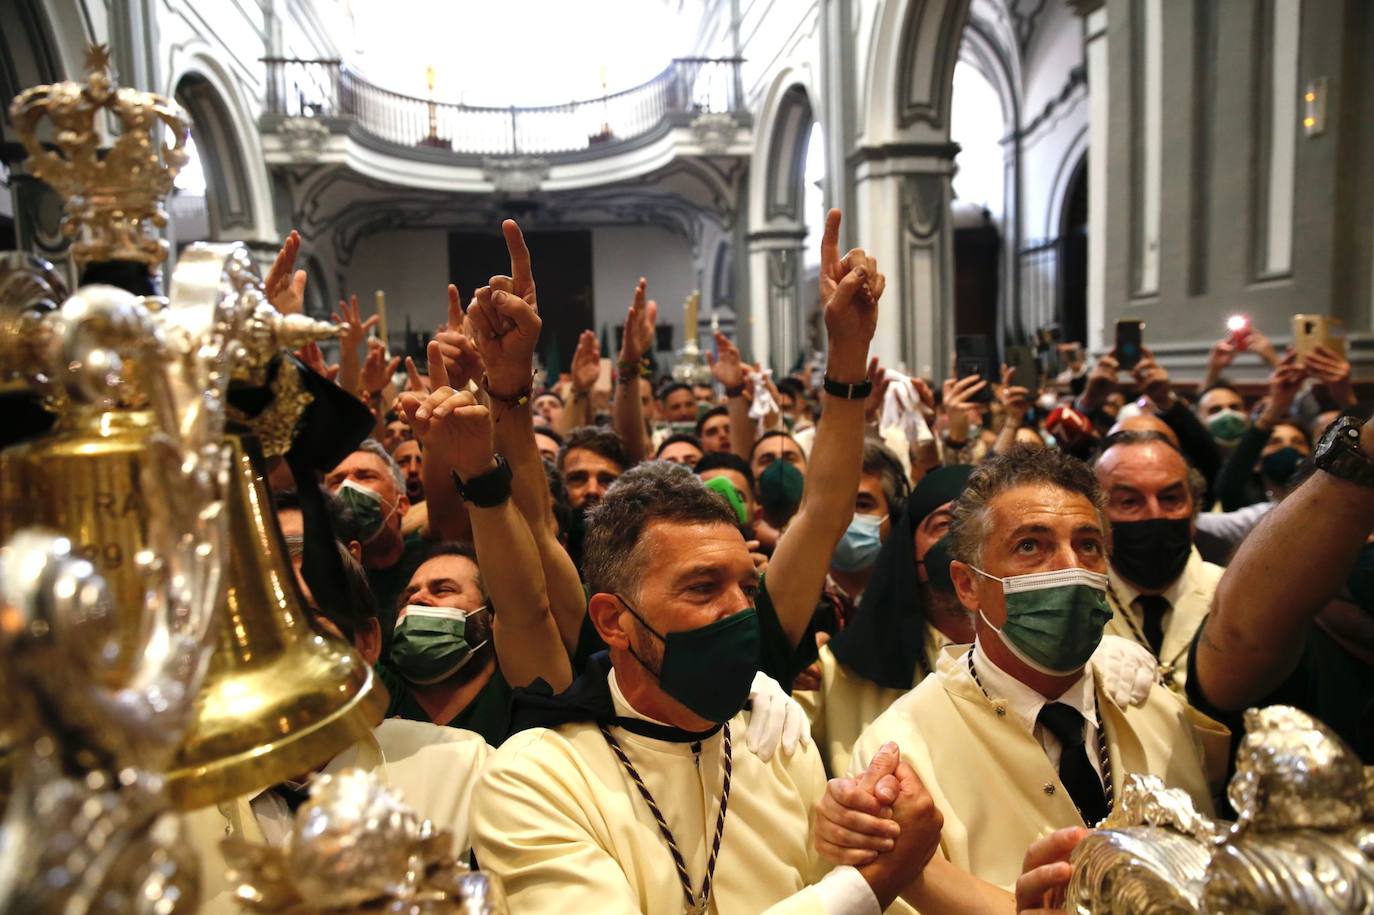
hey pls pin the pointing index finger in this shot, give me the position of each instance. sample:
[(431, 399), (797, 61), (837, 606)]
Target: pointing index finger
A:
[(438, 372), (519, 255), (830, 243)]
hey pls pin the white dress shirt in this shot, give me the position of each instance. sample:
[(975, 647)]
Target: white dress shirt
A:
[(1024, 704)]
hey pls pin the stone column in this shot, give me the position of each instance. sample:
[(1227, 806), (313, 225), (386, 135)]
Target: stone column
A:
[(777, 306), (904, 197)]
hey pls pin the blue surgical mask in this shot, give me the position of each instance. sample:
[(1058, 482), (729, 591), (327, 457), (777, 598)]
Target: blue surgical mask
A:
[(858, 548), (1054, 619)]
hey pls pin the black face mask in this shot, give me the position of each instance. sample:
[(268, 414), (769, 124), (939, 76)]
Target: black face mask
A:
[(1151, 553)]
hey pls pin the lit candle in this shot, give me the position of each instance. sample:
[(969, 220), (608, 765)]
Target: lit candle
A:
[(690, 316), (381, 313)]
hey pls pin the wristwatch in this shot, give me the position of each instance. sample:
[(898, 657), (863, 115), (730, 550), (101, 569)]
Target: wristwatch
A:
[(846, 390), (1339, 452), (486, 490)]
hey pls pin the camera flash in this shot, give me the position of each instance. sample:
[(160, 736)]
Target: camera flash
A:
[(1237, 322)]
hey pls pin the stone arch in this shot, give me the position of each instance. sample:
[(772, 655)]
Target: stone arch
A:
[(777, 222), (226, 136)]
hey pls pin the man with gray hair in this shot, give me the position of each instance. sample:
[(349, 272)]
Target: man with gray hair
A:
[(372, 487), (626, 793), (1016, 737)]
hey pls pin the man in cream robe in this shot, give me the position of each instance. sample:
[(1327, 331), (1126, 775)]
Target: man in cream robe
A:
[(1190, 595), (992, 779), (558, 819), (1147, 482), (435, 769)]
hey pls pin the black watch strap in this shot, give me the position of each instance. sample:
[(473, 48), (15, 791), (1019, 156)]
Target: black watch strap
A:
[(858, 391), (487, 490), (1339, 453)]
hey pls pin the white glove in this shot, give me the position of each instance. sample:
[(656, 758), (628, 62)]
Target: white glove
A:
[(764, 405), (903, 409), (1127, 669), (775, 718)]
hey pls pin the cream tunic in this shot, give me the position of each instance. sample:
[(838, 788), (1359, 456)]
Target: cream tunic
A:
[(557, 818), (1191, 599), (434, 767), (992, 781), (848, 702)]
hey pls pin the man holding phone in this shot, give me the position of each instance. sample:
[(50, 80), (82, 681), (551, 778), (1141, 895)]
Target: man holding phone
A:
[(1153, 384)]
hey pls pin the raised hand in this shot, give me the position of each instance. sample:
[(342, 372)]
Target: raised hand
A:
[(377, 369), (285, 289), (462, 362), (727, 367), (873, 404), (453, 428), (1100, 382), (1332, 370), (586, 362), (313, 357), (414, 380), (638, 338), (1284, 383), (1153, 379), (504, 319), (958, 401), (349, 317), (850, 289), (1015, 399), (1222, 355)]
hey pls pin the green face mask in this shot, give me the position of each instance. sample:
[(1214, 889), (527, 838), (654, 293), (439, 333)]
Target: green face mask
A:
[(780, 488), (431, 644), (722, 487), (1054, 619), (709, 669)]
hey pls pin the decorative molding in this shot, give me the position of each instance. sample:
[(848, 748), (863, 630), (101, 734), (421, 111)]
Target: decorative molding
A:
[(515, 174), (303, 138), (923, 204), (715, 132), (1077, 77), (924, 86), (1025, 19), (903, 151)]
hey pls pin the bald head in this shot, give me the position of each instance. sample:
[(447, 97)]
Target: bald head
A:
[(1143, 480), (1145, 422)]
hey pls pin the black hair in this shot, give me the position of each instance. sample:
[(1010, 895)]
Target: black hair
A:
[(720, 410), (677, 437), (726, 460)]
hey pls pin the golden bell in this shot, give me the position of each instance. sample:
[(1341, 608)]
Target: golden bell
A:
[(279, 698)]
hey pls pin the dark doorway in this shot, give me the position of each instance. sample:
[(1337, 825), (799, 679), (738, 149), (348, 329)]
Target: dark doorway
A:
[(562, 274), (977, 265), (1073, 231)]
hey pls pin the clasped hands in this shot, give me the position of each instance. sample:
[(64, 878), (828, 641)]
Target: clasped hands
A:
[(885, 823)]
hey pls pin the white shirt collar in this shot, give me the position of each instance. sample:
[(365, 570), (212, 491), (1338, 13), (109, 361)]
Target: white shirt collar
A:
[(1127, 592), (623, 708), (1026, 702)]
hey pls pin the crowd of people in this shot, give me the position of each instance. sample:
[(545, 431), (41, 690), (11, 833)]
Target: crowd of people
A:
[(844, 641)]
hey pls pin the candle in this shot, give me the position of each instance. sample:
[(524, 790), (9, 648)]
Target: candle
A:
[(381, 313), (690, 316)]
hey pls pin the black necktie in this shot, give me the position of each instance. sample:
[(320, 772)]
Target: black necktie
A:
[(1152, 609), (1075, 769)]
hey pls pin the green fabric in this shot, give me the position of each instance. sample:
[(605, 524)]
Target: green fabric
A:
[(388, 583), (1329, 683), (487, 714), (778, 658)]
